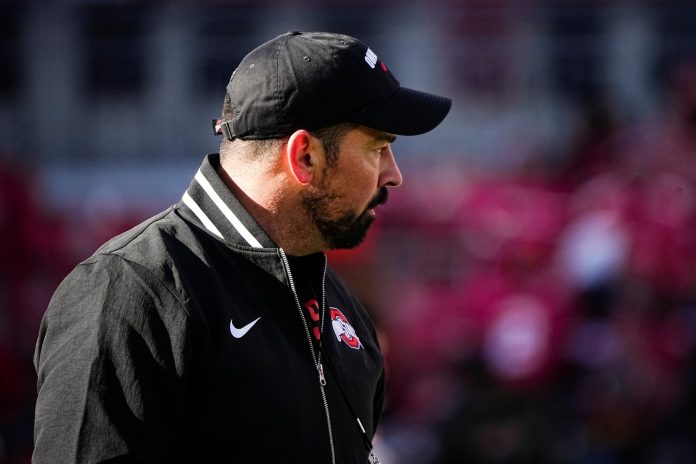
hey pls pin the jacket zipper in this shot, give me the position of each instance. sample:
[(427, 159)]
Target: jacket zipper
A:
[(316, 356)]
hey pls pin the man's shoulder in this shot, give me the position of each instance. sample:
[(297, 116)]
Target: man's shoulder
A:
[(151, 250), (160, 241), (166, 248), (134, 241), (136, 262)]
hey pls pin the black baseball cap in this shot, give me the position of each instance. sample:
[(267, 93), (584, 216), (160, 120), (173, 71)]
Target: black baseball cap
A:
[(310, 80)]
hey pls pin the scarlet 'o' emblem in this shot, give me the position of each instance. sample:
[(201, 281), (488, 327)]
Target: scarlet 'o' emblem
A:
[(343, 330)]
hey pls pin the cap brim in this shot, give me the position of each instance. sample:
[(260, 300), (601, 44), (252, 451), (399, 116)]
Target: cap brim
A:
[(407, 112)]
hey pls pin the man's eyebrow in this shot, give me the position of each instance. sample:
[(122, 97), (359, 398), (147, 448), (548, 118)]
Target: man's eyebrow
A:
[(385, 137)]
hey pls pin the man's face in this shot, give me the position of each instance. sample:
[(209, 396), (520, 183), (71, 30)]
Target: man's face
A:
[(342, 203)]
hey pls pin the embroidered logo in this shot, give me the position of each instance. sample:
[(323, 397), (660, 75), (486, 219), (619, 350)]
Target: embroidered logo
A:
[(343, 330), (371, 58), (313, 307), (239, 333)]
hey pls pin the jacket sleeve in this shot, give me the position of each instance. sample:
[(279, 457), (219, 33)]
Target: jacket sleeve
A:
[(111, 360)]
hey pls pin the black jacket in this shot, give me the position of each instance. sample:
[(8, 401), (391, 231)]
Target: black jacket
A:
[(137, 361)]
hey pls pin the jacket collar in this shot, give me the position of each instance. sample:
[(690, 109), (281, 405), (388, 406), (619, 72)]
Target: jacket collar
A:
[(213, 207), (219, 211)]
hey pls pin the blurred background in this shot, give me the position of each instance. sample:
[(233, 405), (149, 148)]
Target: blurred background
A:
[(533, 280)]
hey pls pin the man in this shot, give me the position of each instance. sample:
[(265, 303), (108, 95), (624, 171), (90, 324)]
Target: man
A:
[(214, 331)]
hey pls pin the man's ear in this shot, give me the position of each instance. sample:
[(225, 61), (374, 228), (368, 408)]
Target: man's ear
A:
[(301, 156)]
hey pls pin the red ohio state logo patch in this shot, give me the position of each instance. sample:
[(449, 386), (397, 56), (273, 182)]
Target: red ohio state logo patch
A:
[(343, 330)]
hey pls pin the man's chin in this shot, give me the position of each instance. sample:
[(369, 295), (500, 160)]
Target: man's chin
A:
[(354, 235)]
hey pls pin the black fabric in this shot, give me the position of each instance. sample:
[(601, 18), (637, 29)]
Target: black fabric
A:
[(136, 362), (308, 272), (310, 80)]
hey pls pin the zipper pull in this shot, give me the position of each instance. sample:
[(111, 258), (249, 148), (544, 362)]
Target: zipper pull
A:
[(322, 379)]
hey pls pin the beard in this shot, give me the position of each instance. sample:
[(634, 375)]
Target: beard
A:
[(341, 230)]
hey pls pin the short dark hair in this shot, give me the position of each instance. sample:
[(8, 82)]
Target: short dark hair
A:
[(329, 136)]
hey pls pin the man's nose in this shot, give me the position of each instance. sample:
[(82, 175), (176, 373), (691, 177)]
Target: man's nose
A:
[(391, 174)]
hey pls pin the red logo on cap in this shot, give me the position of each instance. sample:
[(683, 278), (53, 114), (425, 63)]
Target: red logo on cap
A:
[(384, 67)]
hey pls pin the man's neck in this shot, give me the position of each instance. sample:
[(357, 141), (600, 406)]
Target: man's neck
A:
[(279, 213)]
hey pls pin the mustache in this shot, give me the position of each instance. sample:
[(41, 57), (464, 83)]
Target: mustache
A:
[(380, 198)]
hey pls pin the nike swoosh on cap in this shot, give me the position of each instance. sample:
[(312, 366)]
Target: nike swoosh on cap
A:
[(239, 333)]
